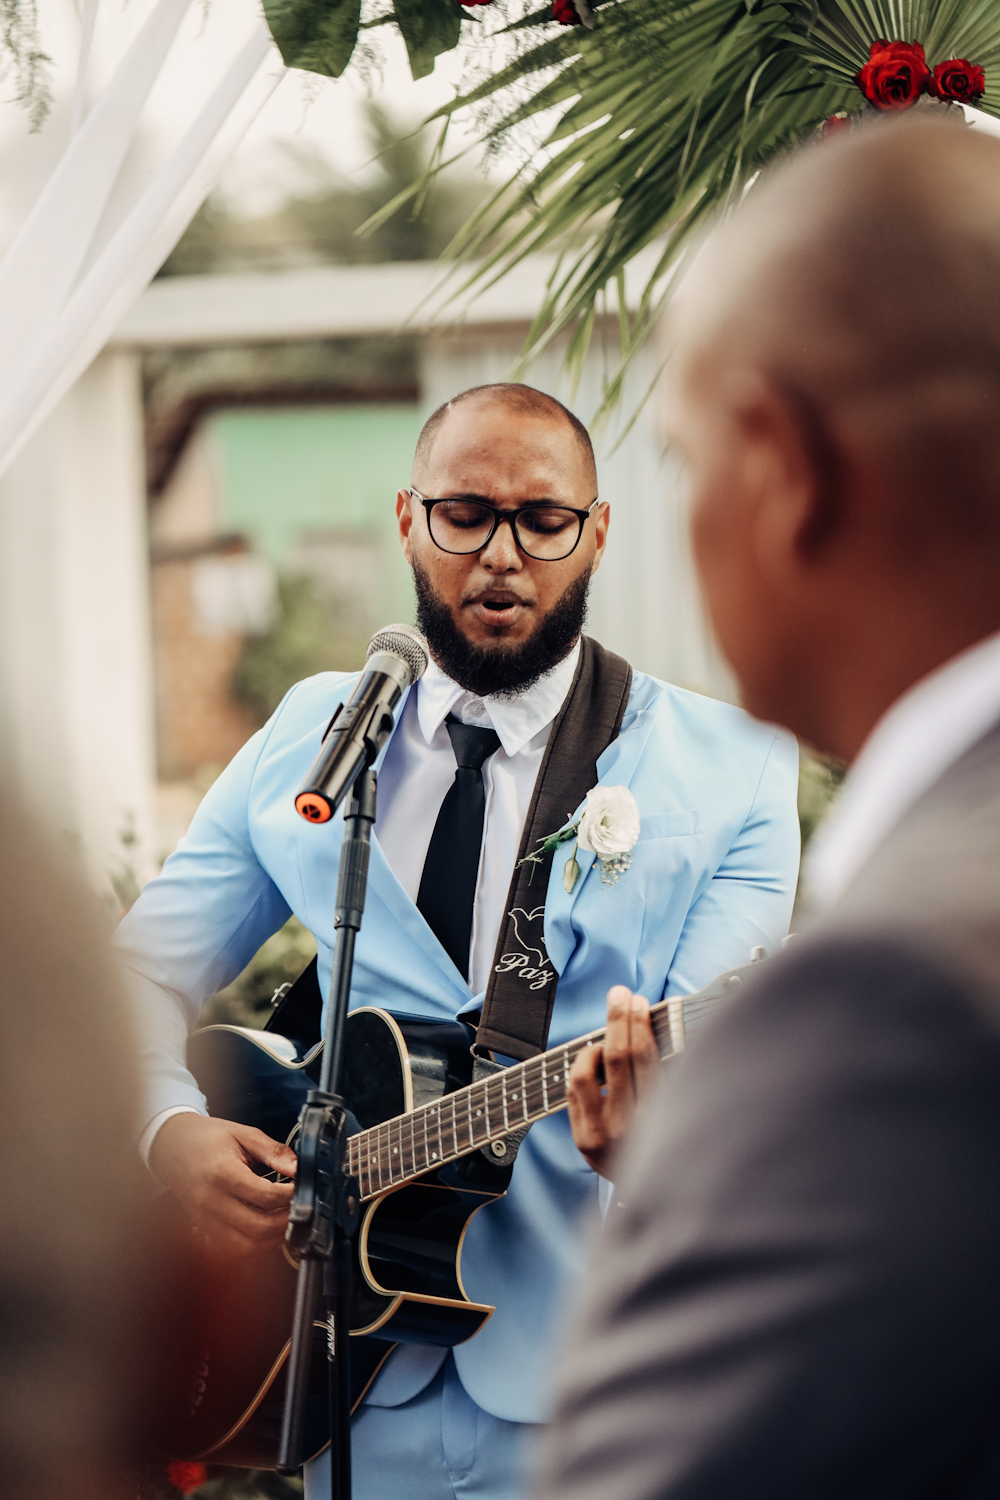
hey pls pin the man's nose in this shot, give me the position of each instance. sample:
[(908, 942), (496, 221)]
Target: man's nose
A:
[(501, 554)]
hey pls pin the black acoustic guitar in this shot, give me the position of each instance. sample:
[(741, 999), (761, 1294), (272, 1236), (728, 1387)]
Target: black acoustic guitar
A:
[(431, 1149)]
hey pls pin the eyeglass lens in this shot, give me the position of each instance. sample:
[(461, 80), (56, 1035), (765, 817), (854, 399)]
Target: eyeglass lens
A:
[(549, 532)]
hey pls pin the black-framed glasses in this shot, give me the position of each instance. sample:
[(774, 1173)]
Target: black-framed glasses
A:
[(545, 532)]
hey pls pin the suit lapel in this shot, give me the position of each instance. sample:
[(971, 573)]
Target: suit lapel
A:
[(615, 767), (383, 882)]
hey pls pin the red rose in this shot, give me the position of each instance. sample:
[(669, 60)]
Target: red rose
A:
[(186, 1476), (835, 124), (957, 79), (565, 12), (895, 74)]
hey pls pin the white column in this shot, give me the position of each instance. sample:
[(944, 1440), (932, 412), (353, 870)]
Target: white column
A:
[(75, 656)]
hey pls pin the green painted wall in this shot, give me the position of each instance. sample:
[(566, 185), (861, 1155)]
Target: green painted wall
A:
[(286, 470)]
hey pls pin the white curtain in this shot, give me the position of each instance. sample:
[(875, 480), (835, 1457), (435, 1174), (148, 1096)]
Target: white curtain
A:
[(64, 288)]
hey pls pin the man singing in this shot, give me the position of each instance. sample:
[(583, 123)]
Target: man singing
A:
[(503, 529)]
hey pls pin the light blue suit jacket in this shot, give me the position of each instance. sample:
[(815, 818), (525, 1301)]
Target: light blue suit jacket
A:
[(713, 874)]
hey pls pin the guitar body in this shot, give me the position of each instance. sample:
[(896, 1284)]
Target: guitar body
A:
[(407, 1252), (425, 1140)]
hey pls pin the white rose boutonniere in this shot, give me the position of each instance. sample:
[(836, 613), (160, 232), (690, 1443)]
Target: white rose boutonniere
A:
[(608, 827)]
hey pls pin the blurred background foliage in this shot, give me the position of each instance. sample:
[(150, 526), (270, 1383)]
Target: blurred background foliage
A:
[(247, 1001), (317, 222), (820, 779), (249, 1484), (306, 638)]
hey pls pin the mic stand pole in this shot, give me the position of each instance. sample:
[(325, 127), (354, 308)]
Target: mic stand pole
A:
[(324, 1212)]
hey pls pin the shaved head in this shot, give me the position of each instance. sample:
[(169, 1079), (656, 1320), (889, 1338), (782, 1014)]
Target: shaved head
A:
[(836, 390), (521, 401), (862, 276)]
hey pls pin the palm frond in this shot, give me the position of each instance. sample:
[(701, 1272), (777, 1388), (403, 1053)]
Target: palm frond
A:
[(667, 110)]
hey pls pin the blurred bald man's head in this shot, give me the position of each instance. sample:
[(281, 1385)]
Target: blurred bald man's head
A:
[(837, 396)]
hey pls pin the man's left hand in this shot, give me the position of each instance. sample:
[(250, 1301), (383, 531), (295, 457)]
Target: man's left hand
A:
[(608, 1079)]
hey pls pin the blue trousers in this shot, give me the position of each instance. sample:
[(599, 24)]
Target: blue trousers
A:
[(438, 1446)]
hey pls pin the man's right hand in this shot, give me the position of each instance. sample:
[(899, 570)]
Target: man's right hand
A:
[(207, 1163)]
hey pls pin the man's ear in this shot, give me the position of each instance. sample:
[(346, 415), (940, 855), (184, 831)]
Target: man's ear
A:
[(791, 469), (602, 520), (404, 517)]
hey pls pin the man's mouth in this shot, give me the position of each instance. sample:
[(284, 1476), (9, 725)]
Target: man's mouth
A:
[(498, 607)]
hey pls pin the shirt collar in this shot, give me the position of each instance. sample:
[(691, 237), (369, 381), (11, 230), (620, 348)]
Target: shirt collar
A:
[(516, 720), (924, 732)]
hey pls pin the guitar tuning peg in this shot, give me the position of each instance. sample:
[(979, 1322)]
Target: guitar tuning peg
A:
[(757, 953)]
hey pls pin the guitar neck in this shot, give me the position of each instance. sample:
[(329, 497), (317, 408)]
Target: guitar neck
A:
[(405, 1147)]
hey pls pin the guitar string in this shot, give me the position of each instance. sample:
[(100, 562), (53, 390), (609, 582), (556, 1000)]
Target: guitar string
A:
[(537, 1075), (542, 1082)]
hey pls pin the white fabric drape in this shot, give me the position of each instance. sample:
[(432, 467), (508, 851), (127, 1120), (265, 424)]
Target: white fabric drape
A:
[(62, 294)]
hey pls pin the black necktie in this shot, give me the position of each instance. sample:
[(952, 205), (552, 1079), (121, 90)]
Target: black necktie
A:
[(448, 883)]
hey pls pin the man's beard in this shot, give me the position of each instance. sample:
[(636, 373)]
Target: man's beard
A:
[(500, 671)]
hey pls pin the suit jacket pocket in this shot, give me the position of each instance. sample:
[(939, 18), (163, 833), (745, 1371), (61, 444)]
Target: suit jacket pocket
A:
[(669, 825)]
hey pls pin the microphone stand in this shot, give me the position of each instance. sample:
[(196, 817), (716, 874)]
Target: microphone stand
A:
[(326, 1202)]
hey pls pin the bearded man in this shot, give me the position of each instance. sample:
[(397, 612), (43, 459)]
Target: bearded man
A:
[(503, 529)]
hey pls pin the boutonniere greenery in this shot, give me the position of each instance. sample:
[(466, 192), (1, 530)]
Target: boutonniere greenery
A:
[(607, 827)]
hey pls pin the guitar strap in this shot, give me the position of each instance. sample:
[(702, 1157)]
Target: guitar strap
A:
[(522, 988), (297, 1013)]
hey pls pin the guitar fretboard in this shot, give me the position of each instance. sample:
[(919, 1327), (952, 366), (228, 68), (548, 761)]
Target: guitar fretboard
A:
[(407, 1146)]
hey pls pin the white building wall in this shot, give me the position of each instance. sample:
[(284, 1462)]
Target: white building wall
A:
[(76, 716)]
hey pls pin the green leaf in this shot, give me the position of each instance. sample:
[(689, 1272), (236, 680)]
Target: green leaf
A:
[(664, 115), (429, 28), (318, 35)]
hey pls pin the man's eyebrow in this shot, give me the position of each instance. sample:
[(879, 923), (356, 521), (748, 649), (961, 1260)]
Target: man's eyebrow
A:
[(483, 500)]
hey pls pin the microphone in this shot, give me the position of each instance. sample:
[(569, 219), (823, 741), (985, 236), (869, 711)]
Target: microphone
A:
[(354, 736)]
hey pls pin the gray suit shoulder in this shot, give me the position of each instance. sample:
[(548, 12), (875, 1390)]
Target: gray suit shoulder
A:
[(935, 880)]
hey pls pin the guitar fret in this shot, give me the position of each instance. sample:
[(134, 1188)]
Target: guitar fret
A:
[(503, 1093), (454, 1127), (435, 1115)]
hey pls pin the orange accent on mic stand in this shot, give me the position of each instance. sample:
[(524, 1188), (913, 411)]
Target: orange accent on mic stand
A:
[(313, 807)]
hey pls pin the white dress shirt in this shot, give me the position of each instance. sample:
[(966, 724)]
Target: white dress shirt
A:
[(924, 732), (419, 768)]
